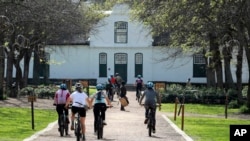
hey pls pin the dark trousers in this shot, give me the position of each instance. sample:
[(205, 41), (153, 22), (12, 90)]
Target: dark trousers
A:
[(153, 111), (99, 107), (60, 108)]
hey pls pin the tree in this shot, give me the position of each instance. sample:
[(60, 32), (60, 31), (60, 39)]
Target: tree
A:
[(202, 25), (35, 22)]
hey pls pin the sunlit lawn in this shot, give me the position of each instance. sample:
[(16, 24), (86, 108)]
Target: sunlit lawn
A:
[(202, 122), (16, 122)]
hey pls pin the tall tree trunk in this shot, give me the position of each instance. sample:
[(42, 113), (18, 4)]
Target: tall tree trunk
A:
[(229, 83), (248, 62), (36, 79), (247, 50), (218, 66), (1, 68), (239, 74), (27, 57)]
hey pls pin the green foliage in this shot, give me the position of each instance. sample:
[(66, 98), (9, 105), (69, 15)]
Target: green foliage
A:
[(244, 109), (233, 104), (205, 95)]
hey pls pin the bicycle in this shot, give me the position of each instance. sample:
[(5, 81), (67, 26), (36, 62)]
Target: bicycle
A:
[(78, 128), (77, 124), (138, 95), (99, 125), (151, 119), (63, 124)]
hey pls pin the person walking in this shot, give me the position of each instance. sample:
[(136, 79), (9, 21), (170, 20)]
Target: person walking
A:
[(80, 101), (100, 99), (151, 98), (60, 100), (123, 95)]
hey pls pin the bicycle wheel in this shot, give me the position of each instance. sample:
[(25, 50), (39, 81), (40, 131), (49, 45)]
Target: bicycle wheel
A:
[(61, 126), (150, 127), (78, 129), (99, 128), (66, 126)]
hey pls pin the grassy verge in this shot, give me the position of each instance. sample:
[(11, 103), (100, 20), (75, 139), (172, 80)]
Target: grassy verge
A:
[(16, 123), (206, 122)]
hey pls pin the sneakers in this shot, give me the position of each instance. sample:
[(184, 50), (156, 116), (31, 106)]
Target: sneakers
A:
[(153, 130), (146, 121), (72, 127), (83, 137), (104, 122)]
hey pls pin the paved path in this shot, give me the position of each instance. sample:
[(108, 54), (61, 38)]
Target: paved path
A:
[(122, 126)]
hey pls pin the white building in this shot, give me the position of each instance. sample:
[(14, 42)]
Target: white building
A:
[(125, 47)]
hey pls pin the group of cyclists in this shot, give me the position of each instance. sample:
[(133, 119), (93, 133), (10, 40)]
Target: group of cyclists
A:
[(81, 102)]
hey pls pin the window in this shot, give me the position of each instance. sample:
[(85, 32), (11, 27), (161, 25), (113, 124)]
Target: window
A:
[(199, 66), (121, 32), (138, 64), (102, 65)]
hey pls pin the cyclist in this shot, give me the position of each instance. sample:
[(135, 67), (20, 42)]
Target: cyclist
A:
[(151, 98), (60, 99), (100, 99), (138, 84), (79, 101)]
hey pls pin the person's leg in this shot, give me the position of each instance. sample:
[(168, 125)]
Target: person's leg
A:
[(95, 111), (153, 110), (146, 115), (82, 119), (59, 110), (82, 113), (73, 111), (66, 113)]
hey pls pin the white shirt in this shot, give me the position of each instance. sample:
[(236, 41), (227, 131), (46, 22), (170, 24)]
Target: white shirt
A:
[(79, 99)]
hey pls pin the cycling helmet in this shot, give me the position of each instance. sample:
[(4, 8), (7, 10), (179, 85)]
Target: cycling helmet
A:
[(150, 85), (78, 85), (99, 87), (139, 76), (63, 86)]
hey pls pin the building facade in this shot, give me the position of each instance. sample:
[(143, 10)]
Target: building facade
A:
[(124, 46)]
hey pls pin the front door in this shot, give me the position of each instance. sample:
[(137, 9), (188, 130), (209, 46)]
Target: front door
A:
[(121, 65)]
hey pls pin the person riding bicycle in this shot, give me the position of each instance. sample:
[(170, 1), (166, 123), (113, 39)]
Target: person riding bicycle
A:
[(151, 98), (138, 84), (60, 99), (100, 99), (80, 101), (109, 88)]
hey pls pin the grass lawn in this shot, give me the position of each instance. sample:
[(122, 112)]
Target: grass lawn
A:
[(206, 122), (16, 123)]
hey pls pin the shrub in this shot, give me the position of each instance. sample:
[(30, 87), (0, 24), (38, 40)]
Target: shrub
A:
[(244, 109), (233, 104)]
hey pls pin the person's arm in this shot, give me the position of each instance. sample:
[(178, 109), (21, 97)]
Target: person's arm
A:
[(55, 99), (68, 102)]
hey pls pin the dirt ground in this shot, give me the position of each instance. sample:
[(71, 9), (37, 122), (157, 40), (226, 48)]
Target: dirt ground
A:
[(23, 102)]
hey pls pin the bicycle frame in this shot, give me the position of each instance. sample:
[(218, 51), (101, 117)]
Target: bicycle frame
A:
[(63, 125), (150, 123), (77, 127), (100, 125)]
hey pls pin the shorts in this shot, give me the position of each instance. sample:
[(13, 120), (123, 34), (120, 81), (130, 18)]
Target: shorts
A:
[(80, 110)]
